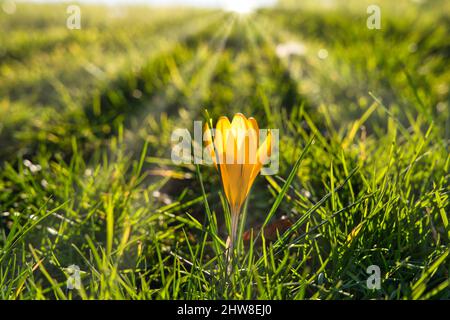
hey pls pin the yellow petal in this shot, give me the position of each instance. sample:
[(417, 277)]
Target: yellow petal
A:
[(237, 170), (251, 149), (234, 170), (239, 131), (220, 139), (245, 134), (226, 183), (240, 159), (254, 126), (253, 140)]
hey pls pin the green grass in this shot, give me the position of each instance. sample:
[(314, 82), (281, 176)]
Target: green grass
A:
[(86, 179)]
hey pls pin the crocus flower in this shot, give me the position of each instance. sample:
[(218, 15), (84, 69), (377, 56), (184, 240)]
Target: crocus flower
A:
[(238, 156)]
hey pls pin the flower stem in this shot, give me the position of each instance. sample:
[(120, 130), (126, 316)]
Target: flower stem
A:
[(233, 237)]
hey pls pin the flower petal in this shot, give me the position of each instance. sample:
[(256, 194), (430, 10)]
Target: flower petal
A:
[(221, 135), (264, 153)]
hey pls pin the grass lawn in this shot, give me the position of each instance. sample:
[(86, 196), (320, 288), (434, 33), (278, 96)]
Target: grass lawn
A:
[(87, 181)]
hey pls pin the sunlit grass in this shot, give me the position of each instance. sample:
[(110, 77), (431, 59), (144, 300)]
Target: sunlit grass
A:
[(86, 177)]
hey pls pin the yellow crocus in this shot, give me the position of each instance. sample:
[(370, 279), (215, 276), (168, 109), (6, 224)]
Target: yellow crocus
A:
[(239, 157)]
